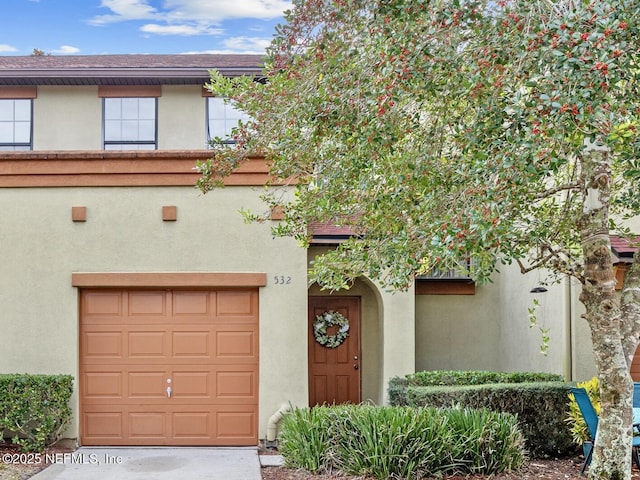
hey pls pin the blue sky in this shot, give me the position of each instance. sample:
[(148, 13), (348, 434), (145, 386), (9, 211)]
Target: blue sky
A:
[(89, 27)]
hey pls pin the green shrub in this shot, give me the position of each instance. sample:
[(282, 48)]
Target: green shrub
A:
[(401, 442), (540, 407), (35, 408), (478, 377)]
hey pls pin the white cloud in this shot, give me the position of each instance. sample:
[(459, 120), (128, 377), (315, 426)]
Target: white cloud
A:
[(123, 10), (7, 48), (219, 10), (240, 45), (184, 30), (66, 50), (179, 12)]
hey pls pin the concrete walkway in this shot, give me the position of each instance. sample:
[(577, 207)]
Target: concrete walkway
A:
[(154, 463)]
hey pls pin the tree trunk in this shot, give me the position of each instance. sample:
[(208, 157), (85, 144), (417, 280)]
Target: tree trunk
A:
[(612, 454)]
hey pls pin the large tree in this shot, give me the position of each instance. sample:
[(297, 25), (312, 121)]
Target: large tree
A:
[(440, 130)]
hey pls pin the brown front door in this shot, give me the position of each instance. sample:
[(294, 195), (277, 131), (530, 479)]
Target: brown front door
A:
[(334, 373)]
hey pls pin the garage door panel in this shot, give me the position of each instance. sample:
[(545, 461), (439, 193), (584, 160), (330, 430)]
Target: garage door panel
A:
[(103, 385), (236, 344), (147, 384), (236, 426), (147, 344), (102, 344), (148, 425), (205, 342), (191, 344), (102, 304), (103, 425), (147, 304), (192, 305), (236, 385)]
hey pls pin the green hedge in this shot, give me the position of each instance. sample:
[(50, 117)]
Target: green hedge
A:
[(35, 408), (398, 386), (401, 442), (541, 409)]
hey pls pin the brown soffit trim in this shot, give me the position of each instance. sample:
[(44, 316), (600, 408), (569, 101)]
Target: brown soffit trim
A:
[(445, 288), (131, 91), (18, 92), (118, 168), (167, 279)]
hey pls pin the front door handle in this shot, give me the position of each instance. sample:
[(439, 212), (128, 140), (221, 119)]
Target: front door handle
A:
[(169, 392), (355, 366)]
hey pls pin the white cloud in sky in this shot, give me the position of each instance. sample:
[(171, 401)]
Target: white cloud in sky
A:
[(66, 50), (241, 45), (123, 10), (184, 30), (7, 48), (189, 11)]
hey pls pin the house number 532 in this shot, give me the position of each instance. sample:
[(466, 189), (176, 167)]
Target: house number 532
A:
[(282, 279)]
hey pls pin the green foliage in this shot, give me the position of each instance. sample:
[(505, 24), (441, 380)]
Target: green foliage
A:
[(477, 377), (540, 408), (579, 430), (304, 438), (441, 129), (401, 442), (35, 408)]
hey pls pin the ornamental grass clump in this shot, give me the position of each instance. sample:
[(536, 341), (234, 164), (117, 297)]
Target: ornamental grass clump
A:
[(304, 439), (401, 442)]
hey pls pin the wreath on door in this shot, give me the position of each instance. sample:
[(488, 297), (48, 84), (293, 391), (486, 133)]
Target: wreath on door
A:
[(330, 319)]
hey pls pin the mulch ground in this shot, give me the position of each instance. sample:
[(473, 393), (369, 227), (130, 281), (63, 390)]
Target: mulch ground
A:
[(556, 469)]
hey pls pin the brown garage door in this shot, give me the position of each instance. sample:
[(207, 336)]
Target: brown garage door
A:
[(166, 367)]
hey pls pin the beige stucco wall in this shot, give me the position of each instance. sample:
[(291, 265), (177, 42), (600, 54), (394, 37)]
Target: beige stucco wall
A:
[(124, 232), (490, 330), (67, 118), (70, 118)]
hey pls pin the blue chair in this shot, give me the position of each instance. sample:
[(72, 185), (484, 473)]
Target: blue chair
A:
[(591, 419), (636, 395)]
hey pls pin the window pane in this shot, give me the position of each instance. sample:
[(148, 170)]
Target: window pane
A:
[(23, 132), (129, 108), (223, 117), (112, 108), (147, 108), (23, 110), (6, 132), (112, 130), (6, 110), (217, 128), (216, 108), (147, 130), (129, 130)]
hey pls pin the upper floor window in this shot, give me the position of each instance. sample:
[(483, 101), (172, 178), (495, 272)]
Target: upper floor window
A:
[(15, 124), (130, 123), (221, 118)]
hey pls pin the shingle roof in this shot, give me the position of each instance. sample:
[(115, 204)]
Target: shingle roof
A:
[(122, 69), (624, 247)]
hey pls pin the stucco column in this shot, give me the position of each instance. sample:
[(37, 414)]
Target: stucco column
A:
[(398, 336)]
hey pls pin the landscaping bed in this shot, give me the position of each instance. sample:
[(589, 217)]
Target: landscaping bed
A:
[(554, 469)]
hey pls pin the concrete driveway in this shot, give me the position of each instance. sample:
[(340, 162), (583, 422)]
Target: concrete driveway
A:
[(156, 463)]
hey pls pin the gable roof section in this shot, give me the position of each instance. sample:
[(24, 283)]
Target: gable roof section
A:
[(123, 69)]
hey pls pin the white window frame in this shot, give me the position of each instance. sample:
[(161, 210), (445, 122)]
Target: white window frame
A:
[(12, 123)]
